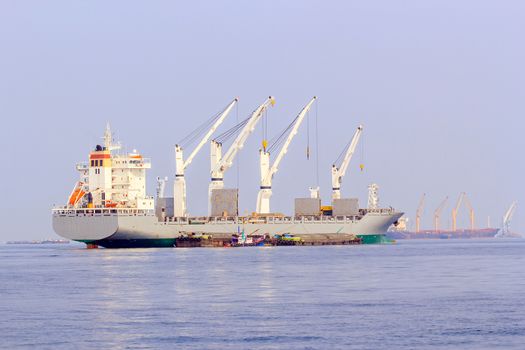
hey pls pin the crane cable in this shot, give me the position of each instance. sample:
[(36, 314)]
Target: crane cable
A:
[(237, 164), (225, 136), (279, 139), (316, 143), (199, 131), (339, 158), (265, 130), (308, 136), (192, 136)]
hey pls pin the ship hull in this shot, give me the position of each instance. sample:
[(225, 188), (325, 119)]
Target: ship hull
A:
[(145, 231)]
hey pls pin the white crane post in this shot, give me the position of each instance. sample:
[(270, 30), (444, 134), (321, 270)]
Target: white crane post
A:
[(339, 173), (221, 164), (179, 185), (267, 173)]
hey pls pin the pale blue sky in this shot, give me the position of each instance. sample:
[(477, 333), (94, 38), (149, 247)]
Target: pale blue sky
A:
[(438, 85)]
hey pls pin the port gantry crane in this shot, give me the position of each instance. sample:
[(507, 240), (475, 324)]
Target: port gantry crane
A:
[(419, 211), (462, 198), (267, 172), (220, 164), (179, 186), (437, 213), (339, 172)]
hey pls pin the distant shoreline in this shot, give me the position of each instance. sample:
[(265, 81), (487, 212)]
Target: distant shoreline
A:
[(44, 241)]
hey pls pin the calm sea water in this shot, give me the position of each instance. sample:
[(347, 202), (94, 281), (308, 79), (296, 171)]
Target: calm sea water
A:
[(457, 294)]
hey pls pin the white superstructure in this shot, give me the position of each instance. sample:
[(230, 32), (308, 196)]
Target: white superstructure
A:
[(111, 179)]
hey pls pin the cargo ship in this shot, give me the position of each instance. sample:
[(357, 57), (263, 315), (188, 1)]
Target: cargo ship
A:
[(109, 206), (400, 231)]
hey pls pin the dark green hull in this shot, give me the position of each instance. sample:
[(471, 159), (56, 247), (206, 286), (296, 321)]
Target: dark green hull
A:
[(375, 239), (170, 243), (134, 243)]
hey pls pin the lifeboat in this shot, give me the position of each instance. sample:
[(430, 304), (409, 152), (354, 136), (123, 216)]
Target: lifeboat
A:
[(76, 195)]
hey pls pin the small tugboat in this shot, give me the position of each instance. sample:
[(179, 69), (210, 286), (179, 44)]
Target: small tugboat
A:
[(241, 240)]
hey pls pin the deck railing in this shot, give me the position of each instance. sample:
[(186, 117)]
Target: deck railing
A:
[(64, 211), (198, 220)]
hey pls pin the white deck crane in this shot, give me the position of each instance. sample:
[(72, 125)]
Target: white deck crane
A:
[(179, 186), (507, 218), (455, 211), (220, 164), (267, 172), (339, 172), (462, 198)]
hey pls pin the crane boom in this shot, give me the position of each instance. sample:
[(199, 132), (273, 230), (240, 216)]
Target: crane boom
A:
[(227, 160), (455, 211), (508, 217), (220, 164), (471, 211), (419, 212), (437, 213), (510, 212), (339, 173), (210, 132), (267, 172), (179, 185)]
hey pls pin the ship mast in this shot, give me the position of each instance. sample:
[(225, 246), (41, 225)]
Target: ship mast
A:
[(108, 139)]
